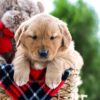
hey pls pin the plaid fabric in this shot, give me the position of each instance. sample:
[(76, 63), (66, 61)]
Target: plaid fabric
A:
[(5, 39), (35, 89), (7, 43)]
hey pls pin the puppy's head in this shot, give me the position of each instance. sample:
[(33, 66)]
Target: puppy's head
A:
[(43, 37)]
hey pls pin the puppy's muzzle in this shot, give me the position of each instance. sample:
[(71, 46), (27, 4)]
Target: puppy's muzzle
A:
[(43, 53)]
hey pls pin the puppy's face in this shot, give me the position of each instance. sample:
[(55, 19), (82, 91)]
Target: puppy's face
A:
[(43, 37)]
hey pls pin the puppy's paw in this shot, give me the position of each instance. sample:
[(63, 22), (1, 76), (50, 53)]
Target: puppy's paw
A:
[(21, 77), (52, 81)]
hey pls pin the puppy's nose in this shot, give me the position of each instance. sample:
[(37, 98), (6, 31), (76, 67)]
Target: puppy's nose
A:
[(43, 53)]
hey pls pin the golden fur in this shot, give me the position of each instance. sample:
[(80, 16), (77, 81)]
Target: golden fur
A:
[(44, 31)]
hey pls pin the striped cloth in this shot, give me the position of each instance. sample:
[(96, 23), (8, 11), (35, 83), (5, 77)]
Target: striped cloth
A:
[(35, 89)]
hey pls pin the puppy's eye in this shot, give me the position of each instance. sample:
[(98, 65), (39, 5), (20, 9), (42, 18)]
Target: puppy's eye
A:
[(34, 37), (52, 38)]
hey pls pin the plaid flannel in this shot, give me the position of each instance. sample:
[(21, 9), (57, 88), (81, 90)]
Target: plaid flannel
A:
[(7, 43), (35, 89)]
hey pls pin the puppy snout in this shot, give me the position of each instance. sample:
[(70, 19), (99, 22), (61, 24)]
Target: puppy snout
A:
[(43, 53)]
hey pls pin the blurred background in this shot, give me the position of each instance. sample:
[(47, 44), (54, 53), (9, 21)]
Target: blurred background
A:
[(83, 19)]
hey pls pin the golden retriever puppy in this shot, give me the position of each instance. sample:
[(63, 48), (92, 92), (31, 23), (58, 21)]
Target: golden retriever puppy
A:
[(44, 41)]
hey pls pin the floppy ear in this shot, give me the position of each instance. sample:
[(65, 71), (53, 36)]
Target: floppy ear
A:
[(22, 28), (66, 36)]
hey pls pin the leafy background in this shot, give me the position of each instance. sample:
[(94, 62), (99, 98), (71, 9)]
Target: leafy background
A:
[(83, 25)]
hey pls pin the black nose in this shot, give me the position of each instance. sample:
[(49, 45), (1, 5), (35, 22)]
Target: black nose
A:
[(43, 53)]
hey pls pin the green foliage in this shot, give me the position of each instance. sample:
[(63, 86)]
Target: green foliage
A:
[(83, 25)]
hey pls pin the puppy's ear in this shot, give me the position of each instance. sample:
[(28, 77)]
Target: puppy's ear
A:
[(66, 36), (22, 28)]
